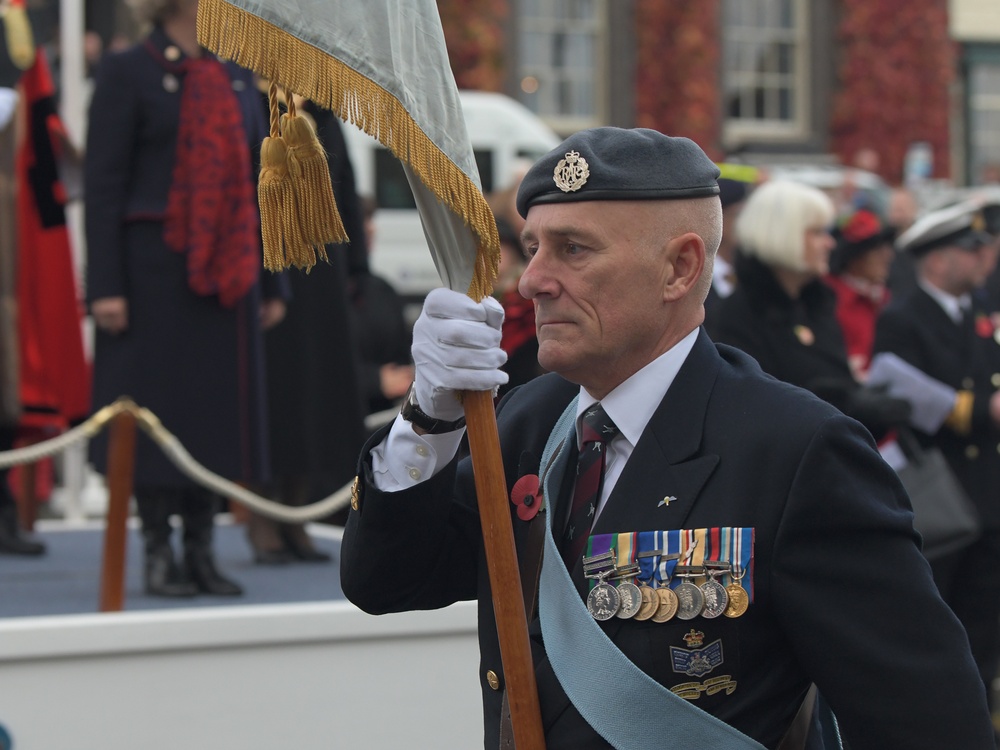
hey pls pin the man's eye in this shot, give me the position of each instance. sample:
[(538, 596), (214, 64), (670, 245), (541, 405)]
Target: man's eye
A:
[(572, 249)]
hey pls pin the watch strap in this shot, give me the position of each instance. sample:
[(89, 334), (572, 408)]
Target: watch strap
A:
[(413, 414)]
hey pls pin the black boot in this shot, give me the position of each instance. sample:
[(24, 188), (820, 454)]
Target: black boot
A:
[(297, 540), (198, 511), (12, 542), (161, 576)]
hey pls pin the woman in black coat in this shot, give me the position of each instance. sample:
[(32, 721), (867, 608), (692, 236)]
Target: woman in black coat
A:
[(782, 313), (178, 309)]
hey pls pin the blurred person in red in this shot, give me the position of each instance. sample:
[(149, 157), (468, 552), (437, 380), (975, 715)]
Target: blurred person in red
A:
[(518, 337), (859, 270), (44, 377)]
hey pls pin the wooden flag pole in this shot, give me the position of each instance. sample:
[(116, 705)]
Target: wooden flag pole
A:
[(505, 580)]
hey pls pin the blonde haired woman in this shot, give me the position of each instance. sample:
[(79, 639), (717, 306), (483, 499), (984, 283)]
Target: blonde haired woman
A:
[(782, 313)]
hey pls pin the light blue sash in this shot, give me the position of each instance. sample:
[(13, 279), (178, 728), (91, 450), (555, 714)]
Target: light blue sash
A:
[(607, 689)]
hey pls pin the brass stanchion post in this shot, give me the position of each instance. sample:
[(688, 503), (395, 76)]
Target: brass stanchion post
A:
[(121, 472)]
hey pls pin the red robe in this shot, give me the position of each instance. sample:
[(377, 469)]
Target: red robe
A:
[(55, 376)]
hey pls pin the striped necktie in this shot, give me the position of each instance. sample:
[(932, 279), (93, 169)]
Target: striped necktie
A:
[(598, 431)]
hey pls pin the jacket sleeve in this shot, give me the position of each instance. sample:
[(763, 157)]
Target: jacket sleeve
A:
[(111, 137), (842, 595)]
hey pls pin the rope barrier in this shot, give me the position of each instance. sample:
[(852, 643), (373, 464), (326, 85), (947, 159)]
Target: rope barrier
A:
[(184, 462)]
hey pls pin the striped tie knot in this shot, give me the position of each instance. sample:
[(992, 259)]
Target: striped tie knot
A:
[(597, 431)]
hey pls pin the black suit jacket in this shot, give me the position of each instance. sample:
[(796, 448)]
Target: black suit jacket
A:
[(843, 596), (965, 357)]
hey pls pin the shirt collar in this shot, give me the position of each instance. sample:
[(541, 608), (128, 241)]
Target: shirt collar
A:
[(952, 305), (632, 403)]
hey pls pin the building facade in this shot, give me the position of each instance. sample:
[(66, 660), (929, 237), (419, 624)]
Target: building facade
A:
[(829, 80)]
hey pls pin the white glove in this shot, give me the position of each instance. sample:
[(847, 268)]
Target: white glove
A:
[(456, 347)]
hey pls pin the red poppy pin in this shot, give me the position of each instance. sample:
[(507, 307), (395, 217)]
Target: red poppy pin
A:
[(984, 326), (527, 496)]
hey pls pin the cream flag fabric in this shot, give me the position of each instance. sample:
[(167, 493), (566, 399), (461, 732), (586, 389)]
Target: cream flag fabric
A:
[(383, 66)]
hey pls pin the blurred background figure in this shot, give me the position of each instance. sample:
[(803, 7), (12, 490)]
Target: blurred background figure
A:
[(733, 194), (178, 314), (44, 377), (944, 328), (517, 337), (382, 335), (859, 270), (315, 404), (782, 313)]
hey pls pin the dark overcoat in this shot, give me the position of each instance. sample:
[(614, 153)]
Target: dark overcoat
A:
[(843, 596), (798, 341), (197, 365), (966, 357), (316, 407)]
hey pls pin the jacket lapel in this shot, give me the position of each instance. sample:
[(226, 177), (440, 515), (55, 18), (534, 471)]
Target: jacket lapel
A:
[(664, 475)]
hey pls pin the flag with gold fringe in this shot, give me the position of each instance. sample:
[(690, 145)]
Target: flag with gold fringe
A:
[(382, 66)]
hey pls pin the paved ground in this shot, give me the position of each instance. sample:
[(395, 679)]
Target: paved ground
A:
[(67, 579)]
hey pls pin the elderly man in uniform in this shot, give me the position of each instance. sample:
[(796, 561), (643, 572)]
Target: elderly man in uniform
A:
[(669, 464), (944, 328)]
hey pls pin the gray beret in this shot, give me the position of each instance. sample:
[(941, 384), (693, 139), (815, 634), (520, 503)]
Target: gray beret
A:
[(616, 164), (961, 225)]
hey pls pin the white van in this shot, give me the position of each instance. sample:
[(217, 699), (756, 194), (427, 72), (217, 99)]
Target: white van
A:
[(503, 133)]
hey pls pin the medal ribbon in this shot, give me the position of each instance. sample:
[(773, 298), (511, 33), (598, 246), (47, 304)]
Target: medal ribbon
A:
[(647, 543), (598, 544), (670, 543), (741, 557), (628, 546)]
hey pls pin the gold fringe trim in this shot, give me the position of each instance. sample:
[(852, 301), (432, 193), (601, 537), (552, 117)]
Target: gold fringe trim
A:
[(276, 55)]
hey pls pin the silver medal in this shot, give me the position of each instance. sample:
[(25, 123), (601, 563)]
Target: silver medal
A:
[(631, 600), (716, 599), (690, 601), (603, 601)]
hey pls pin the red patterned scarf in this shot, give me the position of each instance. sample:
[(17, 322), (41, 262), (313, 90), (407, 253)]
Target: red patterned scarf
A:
[(211, 214)]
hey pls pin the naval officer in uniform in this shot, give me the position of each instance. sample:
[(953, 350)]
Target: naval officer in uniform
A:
[(945, 328), (683, 468)]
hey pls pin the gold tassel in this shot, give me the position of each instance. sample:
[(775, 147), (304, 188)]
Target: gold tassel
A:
[(20, 40), (318, 215), (274, 54), (279, 225)]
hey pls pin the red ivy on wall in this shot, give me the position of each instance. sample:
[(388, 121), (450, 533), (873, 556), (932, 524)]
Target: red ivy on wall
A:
[(677, 69), (896, 68), (474, 31)]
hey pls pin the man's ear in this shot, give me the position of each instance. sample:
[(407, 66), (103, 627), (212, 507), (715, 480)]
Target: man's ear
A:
[(686, 258)]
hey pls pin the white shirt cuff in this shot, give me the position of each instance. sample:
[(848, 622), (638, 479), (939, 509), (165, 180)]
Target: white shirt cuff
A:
[(404, 458)]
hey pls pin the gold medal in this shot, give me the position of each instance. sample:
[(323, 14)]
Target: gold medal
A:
[(668, 604), (649, 605), (739, 602)]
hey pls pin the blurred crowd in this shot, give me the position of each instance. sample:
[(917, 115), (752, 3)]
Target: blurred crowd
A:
[(267, 379)]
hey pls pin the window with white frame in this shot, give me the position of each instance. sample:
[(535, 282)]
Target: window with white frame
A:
[(561, 51), (984, 121), (766, 69)]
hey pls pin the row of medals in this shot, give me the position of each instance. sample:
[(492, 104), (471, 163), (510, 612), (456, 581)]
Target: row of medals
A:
[(629, 601)]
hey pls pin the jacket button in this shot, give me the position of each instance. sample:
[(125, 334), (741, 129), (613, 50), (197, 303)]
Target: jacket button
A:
[(492, 680), (968, 384), (972, 452)]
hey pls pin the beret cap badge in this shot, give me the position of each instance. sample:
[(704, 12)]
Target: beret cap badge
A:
[(571, 172)]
